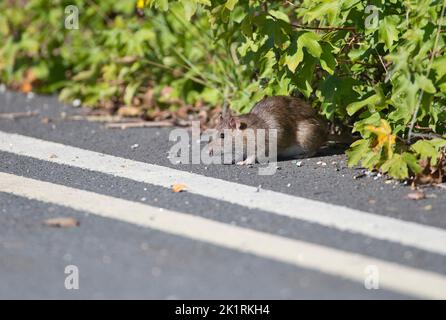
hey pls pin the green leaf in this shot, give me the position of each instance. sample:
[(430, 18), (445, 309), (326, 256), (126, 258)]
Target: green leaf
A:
[(439, 65), (190, 7), (327, 8), (412, 162), (308, 40), (357, 151), (354, 107), (279, 15), (396, 167), (327, 59), (304, 76), (230, 4), (425, 83), (429, 149), (388, 31)]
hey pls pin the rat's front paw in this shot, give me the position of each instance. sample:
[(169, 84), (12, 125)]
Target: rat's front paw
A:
[(247, 161)]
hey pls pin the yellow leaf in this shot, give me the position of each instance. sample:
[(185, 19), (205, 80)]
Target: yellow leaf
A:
[(384, 137), (140, 4), (178, 187)]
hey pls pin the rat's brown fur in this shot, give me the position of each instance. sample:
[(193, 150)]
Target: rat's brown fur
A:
[(298, 125)]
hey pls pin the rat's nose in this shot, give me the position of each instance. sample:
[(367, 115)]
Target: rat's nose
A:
[(211, 152)]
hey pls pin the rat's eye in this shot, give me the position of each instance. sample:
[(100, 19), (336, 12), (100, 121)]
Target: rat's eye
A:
[(222, 135)]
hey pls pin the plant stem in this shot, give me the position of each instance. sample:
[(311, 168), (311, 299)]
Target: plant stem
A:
[(437, 37)]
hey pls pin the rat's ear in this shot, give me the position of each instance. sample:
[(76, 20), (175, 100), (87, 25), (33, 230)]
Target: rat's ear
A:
[(236, 123), (233, 122)]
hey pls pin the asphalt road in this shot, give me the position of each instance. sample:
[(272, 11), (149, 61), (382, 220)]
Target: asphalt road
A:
[(117, 258)]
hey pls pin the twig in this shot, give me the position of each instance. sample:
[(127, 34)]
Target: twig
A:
[(437, 37), (382, 62), (93, 118), (429, 135), (16, 115), (329, 28), (141, 124)]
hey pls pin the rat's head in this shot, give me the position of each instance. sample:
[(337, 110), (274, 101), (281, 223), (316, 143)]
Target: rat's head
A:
[(235, 127), (231, 123)]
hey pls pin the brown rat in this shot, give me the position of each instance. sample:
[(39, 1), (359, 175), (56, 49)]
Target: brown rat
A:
[(300, 130)]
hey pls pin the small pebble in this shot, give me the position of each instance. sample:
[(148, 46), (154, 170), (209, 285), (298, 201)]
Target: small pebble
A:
[(77, 103)]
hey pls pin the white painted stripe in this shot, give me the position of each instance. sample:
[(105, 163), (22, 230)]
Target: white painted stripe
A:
[(386, 228), (335, 262)]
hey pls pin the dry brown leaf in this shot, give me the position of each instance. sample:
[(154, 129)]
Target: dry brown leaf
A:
[(45, 120), (416, 195), (140, 124), (432, 174), (17, 115), (27, 84), (178, 187), (26, 87), (61, 222), (129, 111)]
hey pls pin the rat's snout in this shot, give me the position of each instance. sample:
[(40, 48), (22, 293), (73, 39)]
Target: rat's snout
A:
[(211, 152)]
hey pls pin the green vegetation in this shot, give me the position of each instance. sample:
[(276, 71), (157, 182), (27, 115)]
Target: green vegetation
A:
[(376, 66)]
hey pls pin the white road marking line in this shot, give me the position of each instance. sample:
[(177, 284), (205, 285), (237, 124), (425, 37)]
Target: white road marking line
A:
[(342, 218), (335, 262)]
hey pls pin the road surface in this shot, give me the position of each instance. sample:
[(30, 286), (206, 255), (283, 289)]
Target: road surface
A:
[(309, 231)]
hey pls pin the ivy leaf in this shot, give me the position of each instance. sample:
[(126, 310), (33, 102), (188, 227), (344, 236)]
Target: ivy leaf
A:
[(370, 160), (337, 92), (367, 118), (162, 4), (279, 15), (357, 151), (425, 83), (388, 32), (328, 61), (304, 76), (396, 167), (429, 148), (204, 2), (354, 107), (439, 65), (190, 7), (384, 137), (230, 4), (412, 162), (308, 40), (404, 98), (327, 8)]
